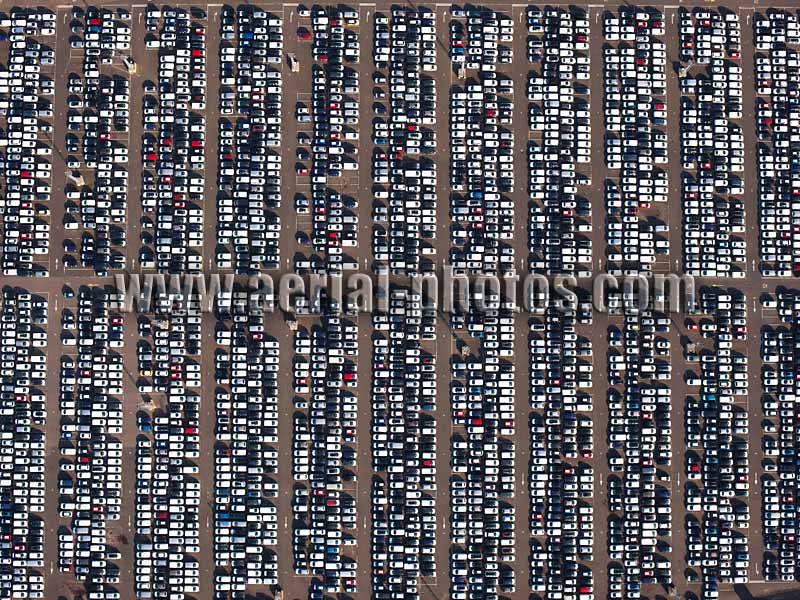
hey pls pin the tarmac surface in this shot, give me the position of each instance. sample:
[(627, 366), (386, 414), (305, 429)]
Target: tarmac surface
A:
[(297, 86)]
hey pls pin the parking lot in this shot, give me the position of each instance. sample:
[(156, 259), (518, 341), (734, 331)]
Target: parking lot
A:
[(28, 45), (776, 40), (249, 175), (98, 124), (560, 454), (635, 110), (712, 143), (24, 321), (560, 215), (90, 470), (173, 142)]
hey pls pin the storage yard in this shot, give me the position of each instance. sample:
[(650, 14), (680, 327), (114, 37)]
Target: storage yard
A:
[(560, 452)]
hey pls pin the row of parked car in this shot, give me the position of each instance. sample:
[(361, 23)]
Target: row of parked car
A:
[(173, 144), (560, 218), (404, 205), (167, 450), (558, 360), (561, 441), (97, 125), (26, 92), (90, 468), (324, 454), (481, 146), (23, 371), (634, 62), (640, 452), (779, 350), (712, 144), (482, 387), (246, 454), (717, 464), (777, 36), (480, 38), (101, 33), (404, 448), (250, 162), (482, 175), (483, 454), (334, 112)]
